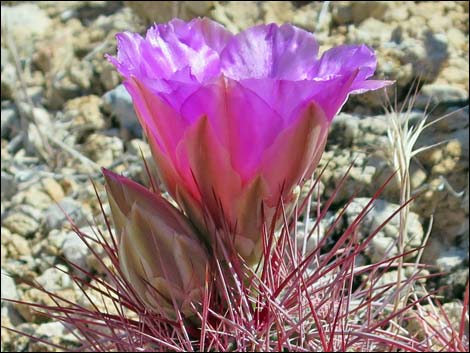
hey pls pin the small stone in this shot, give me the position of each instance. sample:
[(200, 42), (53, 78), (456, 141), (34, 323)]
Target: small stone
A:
[(54, 278), (381, 246), (236, 16), (439, 93), (21, 224), (8, 81), (56, 333), (357, 11), (451, 258), (163, 11), (119, 103), (56, 238), (35, 197), (17, 245), (10, 122), (84, 113), (25, 22), (102, 149), (29, 313), (75, 250), (55, 217), (53, 189), (9, 186), (8, 287), (427, 55)]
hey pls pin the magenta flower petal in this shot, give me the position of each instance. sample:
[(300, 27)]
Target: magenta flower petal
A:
[(244, 123), (270, 51), (169, 48), (304, 140), (235, 122), (343, 61), (329, 94)]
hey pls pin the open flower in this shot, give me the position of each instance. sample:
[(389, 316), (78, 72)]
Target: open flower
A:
[(159, 252), (237, 121)]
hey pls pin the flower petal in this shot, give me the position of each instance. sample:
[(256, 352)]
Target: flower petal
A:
[(343, 60), (200, 156), (169, 48), (242, 122), (286, 97), (286, 162), (270, 51), (124, 193)]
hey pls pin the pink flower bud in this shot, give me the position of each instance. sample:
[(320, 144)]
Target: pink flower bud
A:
[(159, 252)]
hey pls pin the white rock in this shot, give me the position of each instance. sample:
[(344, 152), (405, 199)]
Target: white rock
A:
[(380, 246), (451, 258), (55, 217), (54, 279), (119, 102), (25, 22), (75, 250), (8, 289)]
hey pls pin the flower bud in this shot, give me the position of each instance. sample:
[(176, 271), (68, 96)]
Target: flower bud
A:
[(159, 252)]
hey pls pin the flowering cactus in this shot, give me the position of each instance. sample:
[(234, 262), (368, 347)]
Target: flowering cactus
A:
[(236, 122), (159, 253)]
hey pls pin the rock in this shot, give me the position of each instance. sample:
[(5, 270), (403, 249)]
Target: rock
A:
[(382, 244), (34, 196), (8, 79), (455, 282), (75, 251), (278, 12), (426, 56), (357, 11), (451, 258), (10, 121), (163, 11), (53, 189), (8, 287), (84, 114), (10, 316), (16, 245), (54, 278), (8, 186), (236, 16), (102, 149), (56, 333), (21, 223), (55, 217), (81, 73), (312, 241), (25, 22), (439, 93), (119, 103), (308, 17), (56, 239), (32, 314)]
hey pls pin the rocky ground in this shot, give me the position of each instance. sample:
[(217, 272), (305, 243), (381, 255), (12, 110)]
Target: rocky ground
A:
[(64, 114)]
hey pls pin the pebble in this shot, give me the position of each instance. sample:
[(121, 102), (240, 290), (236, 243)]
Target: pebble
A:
[(381, 245), (55, 217), (119, 103), (21, 224), (53, 189), (54, 278), (10, 122), (8, 186), (8, 287), (75, 250)]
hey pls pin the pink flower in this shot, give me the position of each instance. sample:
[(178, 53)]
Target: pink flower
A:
[(235, 121)]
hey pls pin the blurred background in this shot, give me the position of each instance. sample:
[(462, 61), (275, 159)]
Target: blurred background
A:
[(64, 115)]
